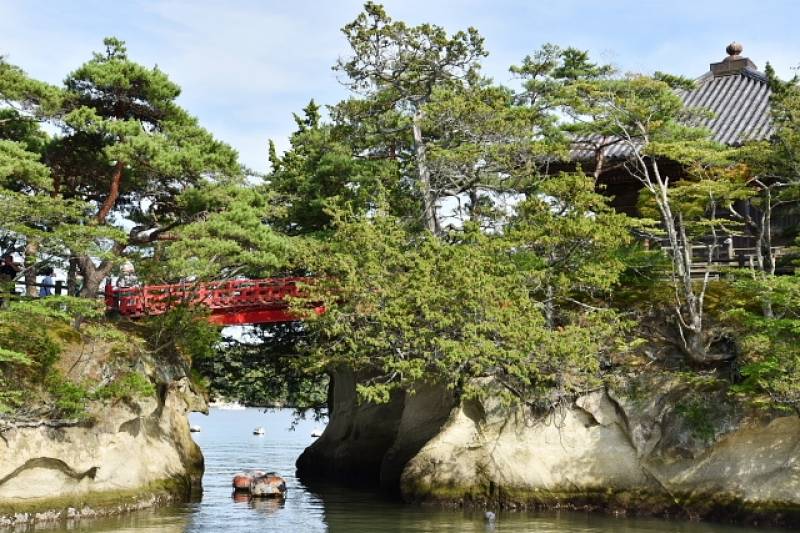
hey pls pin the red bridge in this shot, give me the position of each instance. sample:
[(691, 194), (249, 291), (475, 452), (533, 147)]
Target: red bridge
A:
[(242, 301)]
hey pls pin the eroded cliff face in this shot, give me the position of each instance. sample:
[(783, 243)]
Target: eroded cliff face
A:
[(365, 443), (124, 454), (623, 455)]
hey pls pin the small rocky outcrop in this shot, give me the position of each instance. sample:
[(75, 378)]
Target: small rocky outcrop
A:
[(259, 484)]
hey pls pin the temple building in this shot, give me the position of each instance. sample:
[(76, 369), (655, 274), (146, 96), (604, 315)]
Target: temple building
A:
[(737, 97), (735, 93)]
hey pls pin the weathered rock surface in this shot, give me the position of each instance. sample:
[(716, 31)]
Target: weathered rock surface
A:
[(371, 444), (268, 485), (129, 455), (602, 452)]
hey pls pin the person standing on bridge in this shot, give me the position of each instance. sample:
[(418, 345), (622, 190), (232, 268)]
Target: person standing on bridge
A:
[(127, 276), (47, 285)]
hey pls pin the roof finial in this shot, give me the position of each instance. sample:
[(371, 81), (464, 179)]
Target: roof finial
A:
[(734, 49), (734, 63)]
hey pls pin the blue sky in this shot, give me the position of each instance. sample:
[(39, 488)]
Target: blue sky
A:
[(245, 66)]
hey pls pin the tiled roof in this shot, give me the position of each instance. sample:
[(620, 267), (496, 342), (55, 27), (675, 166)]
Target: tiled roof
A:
[(739, 103), (735, 93)]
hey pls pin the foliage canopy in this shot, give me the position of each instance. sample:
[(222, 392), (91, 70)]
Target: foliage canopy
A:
[(448, 225)]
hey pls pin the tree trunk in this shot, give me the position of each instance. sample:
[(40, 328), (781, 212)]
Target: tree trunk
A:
[(763, 248), (769, 258), (688, 304), (549, 306), (72, 274), (93, 276), (113, 192), (769, 263), (31, 255), (92, 280), (474, 198), (424, 177)]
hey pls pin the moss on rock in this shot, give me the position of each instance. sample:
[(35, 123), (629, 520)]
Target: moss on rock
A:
[(100, 503)]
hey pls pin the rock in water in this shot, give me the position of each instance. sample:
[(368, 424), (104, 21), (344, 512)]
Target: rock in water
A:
[(269, 485), (241, 482)]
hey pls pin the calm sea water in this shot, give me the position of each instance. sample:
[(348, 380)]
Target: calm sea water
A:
[(229, 446)]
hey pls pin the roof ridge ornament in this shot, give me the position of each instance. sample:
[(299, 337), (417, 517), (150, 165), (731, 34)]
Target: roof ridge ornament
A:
[(734, 50), (734, 63)]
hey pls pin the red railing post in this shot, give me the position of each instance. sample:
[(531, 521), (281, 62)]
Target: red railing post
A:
[(109, 296)]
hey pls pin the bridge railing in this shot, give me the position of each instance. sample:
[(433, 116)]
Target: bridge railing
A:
[(219, 296)]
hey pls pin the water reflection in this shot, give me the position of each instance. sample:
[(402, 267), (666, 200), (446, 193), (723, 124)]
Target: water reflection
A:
[(267, 505), (167, 520), (263, 505), (240, 497)]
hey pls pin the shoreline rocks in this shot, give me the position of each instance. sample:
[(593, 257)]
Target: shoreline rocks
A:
[(96, 505), (635, 456)]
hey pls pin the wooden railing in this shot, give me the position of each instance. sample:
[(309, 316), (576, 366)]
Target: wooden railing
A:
[(712, 259)]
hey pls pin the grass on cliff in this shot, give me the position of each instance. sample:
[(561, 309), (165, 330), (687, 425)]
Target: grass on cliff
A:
[(58, 354)]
